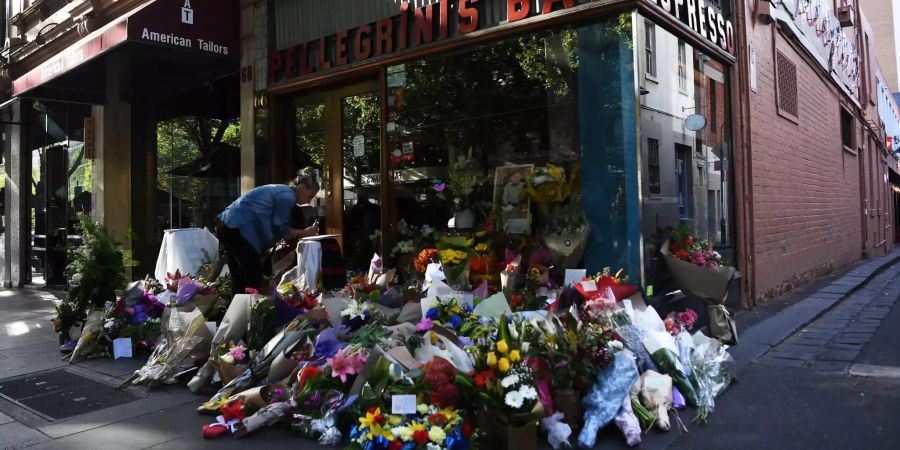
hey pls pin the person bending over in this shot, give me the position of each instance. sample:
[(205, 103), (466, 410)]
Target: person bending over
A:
[(256, 221)]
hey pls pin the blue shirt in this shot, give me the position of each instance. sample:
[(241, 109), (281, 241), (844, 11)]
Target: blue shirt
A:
[(262, 215)]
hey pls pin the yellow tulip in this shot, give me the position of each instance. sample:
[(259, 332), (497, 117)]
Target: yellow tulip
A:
[(502, 347), (491, 359), (504, 365), (514, 356)]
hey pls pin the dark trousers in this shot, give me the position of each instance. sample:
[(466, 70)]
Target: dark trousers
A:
[(243, 260)]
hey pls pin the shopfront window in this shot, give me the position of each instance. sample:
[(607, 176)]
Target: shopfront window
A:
[(536, 132), (688, 180)]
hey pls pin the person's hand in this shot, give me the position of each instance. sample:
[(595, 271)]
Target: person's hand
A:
[(311, 231)]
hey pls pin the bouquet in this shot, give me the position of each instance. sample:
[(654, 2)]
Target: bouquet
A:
[(261, 326), (358, 313), (684, 246), (678, 322), (617, 282), (505, 382), (431, 428), (231, 361), (701, 272), (291, 294), (451, 313)]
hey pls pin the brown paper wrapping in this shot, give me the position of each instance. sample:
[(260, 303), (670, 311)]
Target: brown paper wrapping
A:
[(709, 284)]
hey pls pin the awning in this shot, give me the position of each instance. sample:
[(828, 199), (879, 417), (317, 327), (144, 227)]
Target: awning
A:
[(208, 27)]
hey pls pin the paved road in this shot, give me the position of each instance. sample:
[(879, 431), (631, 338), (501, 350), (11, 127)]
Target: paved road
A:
[(802, 394)]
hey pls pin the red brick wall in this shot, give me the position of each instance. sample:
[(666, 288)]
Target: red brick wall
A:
[(805, 187)]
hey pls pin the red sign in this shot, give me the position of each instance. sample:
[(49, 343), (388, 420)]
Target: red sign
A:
[(206, 26), (412, 28)]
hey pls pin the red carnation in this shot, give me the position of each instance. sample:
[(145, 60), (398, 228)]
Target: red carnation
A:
[(421, 437), (467, 430), (396, 445)]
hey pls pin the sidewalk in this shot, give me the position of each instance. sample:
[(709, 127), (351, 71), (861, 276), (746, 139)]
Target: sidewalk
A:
[(793, 365)]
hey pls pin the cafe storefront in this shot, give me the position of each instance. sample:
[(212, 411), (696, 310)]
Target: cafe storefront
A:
[(443, 115)]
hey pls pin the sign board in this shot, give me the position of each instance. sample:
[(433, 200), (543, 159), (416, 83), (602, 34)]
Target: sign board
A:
[(212, 27), (89, 151)]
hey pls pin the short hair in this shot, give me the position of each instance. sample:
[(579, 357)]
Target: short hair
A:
[(308, 178)]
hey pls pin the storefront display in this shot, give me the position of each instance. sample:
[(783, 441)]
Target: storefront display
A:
[(491, 202)]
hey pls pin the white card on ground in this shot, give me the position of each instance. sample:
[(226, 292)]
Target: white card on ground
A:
[(403, 404), (589, 286), (573, 276), (122, 348)]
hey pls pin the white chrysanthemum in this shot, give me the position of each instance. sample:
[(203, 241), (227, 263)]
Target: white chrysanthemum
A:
[(509, 380), (437, 435), (404, 433), (422, 408), (227, 358), (431, 446), (514, 399), (528, 392)]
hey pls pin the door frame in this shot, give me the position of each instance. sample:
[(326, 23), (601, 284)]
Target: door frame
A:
[(332, 172)]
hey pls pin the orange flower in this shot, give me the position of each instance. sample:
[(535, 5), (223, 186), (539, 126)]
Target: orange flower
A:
[(424, 258)]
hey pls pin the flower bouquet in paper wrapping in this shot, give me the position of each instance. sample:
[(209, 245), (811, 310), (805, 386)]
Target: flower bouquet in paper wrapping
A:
[(90, 336), (378, 275), (664, 352), (604, 400), (185, 342), (701, 272), (567, 239), (261, 324), (294, 333), (709, 361), (510, 275), (454, 253), (655, 392), (231, 360), (232, 329)]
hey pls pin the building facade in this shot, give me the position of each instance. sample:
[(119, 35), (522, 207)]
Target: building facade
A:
[(884, 16), (818, 195), (87, 83)]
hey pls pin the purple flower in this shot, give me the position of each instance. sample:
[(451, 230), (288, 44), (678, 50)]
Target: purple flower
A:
[(425, 325)]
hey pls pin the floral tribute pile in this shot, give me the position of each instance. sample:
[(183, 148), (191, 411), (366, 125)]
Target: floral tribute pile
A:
[(441, 354)]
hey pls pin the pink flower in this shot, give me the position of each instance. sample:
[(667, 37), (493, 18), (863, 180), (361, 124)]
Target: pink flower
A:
[(343, 365), (425, 325), (238, 353)]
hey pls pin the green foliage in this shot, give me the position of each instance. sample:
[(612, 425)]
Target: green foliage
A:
[(96, 267)]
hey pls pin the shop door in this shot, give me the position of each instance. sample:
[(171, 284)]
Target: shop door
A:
[(340, 131)]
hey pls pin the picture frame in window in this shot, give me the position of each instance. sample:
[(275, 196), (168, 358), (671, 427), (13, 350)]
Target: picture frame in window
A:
[(511, 203)]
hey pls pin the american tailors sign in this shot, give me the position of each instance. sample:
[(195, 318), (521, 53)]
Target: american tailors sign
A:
[(205, 26), (704, 17)]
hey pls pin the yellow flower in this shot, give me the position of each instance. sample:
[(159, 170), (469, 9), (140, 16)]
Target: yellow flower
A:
[(455, 309), (481, 247), (491, 359), (395, 420), (480, 234), (504, 365), (418, 426), (502, 347), (554, 172), (368, 420), (514, 356), (422, 408)]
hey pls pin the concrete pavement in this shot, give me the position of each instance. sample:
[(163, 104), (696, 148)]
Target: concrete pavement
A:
[(795, 390)]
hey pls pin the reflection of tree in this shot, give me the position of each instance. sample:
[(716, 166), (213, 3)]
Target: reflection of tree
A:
[(186, 139), (361, 117), (310, 120), (497, 92)]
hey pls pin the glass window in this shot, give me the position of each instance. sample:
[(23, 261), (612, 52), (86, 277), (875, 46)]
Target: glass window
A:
[(846, 128), (653, 165), (508, 130), (650, 49), (694, 186)]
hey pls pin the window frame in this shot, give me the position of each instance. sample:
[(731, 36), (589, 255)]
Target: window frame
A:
[(650, 63), (653, 168), (850, 129), (682, 67)]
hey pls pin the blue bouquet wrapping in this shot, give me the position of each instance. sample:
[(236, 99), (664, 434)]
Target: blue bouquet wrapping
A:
[(604, 399)]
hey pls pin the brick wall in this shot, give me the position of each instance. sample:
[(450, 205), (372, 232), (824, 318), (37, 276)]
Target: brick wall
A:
[(805, 187)]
